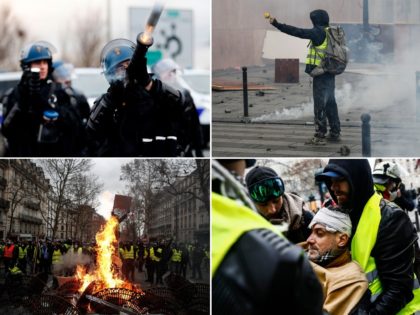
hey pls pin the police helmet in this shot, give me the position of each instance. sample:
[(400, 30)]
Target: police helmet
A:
[(63, 71), (114, 53), (385, 171), (40, 50)]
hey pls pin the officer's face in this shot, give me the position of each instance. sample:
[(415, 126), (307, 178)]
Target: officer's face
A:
[(43, 67), (341, 190), (320, 242), (270, 208)]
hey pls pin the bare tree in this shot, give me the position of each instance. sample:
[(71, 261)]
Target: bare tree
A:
[(64, 175), (172, 171), (12, 37), (143, 182), (19, 191), (88, 40)]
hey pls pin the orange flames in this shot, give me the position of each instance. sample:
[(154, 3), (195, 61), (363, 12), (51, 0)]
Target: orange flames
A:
[(105, 275)]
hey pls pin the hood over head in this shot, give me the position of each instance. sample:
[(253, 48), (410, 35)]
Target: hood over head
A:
[(320, 18), (359, 176)]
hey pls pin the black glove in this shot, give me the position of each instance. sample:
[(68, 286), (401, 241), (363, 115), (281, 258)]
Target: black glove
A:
[(34, 83), (26, 76), (137, 69), (116, 92)]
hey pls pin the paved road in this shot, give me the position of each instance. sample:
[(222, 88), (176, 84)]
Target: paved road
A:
[(280, 121)]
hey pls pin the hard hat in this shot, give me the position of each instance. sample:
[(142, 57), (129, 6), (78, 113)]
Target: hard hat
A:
[(40, 50), (384, 171), (114, 53)]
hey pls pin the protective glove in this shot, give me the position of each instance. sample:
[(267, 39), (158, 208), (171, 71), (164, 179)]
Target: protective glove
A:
[(273, 21), (137, 69), (116, 92), (24, 80), (34, 83)]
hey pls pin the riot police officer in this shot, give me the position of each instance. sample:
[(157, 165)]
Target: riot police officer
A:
[(63, 75), (38, 119), (138, 116)]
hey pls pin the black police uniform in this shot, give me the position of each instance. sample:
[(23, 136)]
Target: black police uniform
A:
[(129, 120), (27, 132)]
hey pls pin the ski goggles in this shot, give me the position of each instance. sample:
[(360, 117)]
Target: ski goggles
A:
[(266, 189)]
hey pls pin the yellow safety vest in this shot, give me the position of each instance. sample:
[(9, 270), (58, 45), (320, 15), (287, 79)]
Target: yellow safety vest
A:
[(361, 247), (230, 221), (176, 255), (128, 254), (78, 251), (145, 253), (316, 53), (56, 257), (152, 254), (22, 252), (15, 270)]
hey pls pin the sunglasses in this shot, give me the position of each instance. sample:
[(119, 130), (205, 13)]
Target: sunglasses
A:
[(266, 189)]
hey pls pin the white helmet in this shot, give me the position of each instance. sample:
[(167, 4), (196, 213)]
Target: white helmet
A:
[(384, 171)]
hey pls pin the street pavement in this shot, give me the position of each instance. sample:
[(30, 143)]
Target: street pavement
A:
[(280, 121)]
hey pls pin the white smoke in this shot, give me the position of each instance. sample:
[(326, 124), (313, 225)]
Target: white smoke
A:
[(70, 260)]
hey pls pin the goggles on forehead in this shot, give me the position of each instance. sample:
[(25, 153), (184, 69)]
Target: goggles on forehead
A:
[(266, 189)]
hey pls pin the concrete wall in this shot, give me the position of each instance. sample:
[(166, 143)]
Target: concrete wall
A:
[(239, 29)]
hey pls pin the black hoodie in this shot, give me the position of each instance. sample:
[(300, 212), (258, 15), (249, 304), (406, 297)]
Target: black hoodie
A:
[(393, 251), (320, 20)]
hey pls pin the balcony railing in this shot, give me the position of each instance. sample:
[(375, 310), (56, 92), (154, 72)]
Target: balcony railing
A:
[(30, 219)]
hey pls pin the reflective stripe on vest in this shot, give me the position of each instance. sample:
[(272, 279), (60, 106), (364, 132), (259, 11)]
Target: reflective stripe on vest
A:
[(56, 257), (229, 221), (317, 53), (361, 247), (8, 251)]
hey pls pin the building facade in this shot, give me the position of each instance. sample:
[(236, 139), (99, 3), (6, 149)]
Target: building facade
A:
[(181, 216), (23, 200)]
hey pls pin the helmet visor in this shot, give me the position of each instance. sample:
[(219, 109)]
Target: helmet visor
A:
[(266, 189)]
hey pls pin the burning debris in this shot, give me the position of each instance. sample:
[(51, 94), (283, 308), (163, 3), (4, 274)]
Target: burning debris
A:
[(102, 289), (106, 273)]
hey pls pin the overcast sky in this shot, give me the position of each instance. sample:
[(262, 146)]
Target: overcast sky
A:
[(108, 172), (54, 20)]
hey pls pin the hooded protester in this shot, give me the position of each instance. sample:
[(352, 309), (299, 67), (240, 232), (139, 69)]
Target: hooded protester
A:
[(325, 106), (255, 269), (383, 237), (267, 190)]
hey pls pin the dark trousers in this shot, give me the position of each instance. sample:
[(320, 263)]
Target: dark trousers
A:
[(325, 106), (128, 265)]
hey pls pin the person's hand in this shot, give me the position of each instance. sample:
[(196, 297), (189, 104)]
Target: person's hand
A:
[(34, 83), (116, 92), (272, 20)]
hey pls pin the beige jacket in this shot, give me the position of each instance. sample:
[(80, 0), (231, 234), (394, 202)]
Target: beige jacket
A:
[(343, 283)]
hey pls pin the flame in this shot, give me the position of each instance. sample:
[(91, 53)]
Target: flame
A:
[(104, 275), (146, 37)]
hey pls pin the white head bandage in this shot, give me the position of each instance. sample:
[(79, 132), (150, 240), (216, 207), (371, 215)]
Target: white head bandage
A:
[(333, 220)]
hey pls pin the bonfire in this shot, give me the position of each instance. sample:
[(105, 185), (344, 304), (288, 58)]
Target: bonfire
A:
[(105, 274)]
